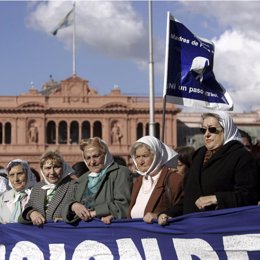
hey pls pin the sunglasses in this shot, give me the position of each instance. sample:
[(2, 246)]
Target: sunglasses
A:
[(211, 129)]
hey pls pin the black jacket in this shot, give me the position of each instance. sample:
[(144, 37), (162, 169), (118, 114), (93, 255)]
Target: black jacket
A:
[(231, 174)]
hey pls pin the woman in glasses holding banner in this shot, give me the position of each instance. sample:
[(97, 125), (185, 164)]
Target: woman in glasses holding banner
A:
[(223, 173)]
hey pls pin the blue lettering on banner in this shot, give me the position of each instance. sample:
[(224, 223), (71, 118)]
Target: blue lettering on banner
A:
[(232, 234)]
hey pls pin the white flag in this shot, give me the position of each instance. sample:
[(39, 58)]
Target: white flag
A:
[(66, 22)]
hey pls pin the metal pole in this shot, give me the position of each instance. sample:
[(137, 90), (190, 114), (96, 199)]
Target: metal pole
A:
[(163, 118), (151, 72), (74, 40)]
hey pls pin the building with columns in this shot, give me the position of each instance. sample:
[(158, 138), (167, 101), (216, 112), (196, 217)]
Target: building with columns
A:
[(61, 114), (188, 124)]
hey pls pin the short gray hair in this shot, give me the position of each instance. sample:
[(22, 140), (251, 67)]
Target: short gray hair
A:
[(138, 145)]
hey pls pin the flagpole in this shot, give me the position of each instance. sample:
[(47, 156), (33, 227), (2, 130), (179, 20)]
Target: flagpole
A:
[(74, 41), (151, 72), (163, 118)]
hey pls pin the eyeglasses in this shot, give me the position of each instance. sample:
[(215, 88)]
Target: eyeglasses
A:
[(211, 129)]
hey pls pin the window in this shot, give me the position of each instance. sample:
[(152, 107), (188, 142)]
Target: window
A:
[(74, 132), (63, 132), (85, 130), (97, 129), (8, 133), (51, 133), (1, 133), (157, 130), (147, 129), (139, 131)]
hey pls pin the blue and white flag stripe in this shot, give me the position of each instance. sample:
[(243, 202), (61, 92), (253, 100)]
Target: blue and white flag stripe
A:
[(66, 22)]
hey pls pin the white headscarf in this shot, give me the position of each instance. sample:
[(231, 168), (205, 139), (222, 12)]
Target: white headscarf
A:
[(163, 155), (231, 131), (31, 179)]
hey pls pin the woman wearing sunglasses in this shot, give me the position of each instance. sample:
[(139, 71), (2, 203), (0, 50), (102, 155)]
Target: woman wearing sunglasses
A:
[(223, 173)]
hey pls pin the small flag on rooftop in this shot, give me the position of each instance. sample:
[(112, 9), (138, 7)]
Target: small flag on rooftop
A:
[(66, 22)]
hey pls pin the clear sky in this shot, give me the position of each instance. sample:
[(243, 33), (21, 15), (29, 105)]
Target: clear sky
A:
[(112, 44)]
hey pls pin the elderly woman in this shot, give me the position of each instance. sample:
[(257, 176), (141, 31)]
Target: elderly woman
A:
[(158, 185), (103, 191), (49, 196), (223, 173), (12, 202)]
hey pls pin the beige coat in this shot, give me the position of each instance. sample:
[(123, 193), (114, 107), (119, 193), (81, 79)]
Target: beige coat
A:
[(7, 206)]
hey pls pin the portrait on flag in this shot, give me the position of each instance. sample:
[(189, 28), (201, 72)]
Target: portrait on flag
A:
[(189, 77)]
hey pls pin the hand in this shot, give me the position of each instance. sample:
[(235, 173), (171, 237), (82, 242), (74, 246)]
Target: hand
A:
[(81, 211), (58, 219), (205, 201), (107, 219), (149, 217), (37, 218), (163, 219), (93, 213)]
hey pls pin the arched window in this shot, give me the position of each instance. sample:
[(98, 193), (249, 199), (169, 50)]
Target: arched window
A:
[(74, 132), (1, 133), (63, 133), (51, 132), (147, 129), (97, 129), (8, 131), (85, 130), (139, 131), (157, 130)]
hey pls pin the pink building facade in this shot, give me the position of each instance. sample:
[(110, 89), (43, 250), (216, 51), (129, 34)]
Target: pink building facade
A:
[(62, 114)]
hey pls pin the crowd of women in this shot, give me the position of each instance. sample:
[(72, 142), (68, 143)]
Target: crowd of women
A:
[(168, 183)]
